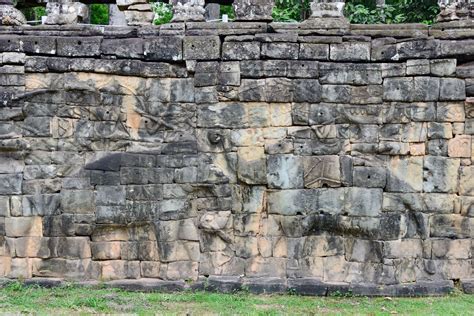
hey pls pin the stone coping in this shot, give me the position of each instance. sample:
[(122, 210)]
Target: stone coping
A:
[(447, 30), (303, 286)]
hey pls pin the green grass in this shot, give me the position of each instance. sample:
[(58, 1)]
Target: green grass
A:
[(16, 298)]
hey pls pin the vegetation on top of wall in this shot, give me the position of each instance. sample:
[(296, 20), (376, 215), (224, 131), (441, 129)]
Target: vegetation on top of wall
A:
[(34, 13), (99, 14), (364, 11), (357, 11), (395, 11), (291, 10), (163, 12), (227, 9)]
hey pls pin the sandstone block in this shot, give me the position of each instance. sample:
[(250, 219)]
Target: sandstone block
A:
[(404, 248), (110, 233), (150, 269), (280, 50), (24, 226), (181, 270), (240, 50), (252, 167), (163, 48), (418, 67), (452, 89), (10, 183), (77, 201), (321, 171), (363, 202), (119, 269), (350, 51), (440, 130), (443, 67), (460, 146), (78, 46), (466, 181), (292, 202), (201, 47), (312, 51), (31, 247), (4, 206), (370, 177), (450, 226), (451, 249), (284, 172), (405, 174), (323, 246), (20, 268), (440, 174), (306, 90), (450, 112)]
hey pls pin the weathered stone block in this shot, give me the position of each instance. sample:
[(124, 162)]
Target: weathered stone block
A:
[(440, 174), (312, 51), (119, 269), (370, 177), (78, 46), (356, 74), (280, 50), (123, 47), (443, 67), (240, 50), (460, 147), (466, 181), (252, 168), (321, 171), (284, 172), (24, 227), (163, 48), (418, 67), (399, 169), (363, 202), (440, 130), (450, 112), (350, 51), (405, 248), (292, 202), (450, 226), (201, 47), (77, 201), (307, 90), (41, 204), (359, 250), (336, 93), (10, 184), (452, 89), (451, 249)]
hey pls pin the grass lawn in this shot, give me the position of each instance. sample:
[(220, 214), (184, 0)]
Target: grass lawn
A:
[(16, 298)]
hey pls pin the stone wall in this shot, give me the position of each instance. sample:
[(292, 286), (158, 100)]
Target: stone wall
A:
[(240, 151)]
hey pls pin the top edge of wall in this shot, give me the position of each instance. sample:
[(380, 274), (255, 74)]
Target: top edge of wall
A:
[(449, 30)]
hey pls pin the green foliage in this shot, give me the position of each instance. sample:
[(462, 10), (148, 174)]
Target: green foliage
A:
[(227, 9), (290, 10), (163, 12), (34, 13), (99, 14), (396, 11)]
